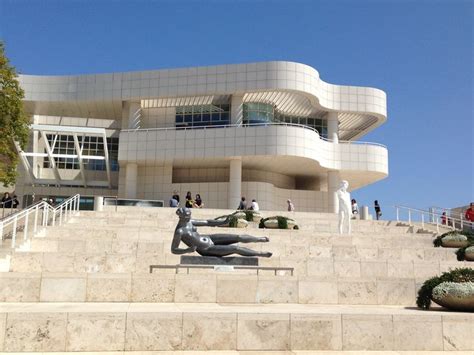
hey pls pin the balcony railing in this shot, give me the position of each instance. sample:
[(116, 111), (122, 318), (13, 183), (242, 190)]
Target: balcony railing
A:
[(249, 125)]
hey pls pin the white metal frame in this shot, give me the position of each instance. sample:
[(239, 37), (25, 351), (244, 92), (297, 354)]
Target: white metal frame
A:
[(74, 131), (43, 214), (456, 223)]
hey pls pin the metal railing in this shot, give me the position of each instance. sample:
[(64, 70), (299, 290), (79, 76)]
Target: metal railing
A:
[(275, 269), (232, 125), (111, 198), (39, 214), (240, 125), (433, 218), (10, 209)]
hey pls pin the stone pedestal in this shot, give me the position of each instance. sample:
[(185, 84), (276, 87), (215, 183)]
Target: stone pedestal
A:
[(213, 260)]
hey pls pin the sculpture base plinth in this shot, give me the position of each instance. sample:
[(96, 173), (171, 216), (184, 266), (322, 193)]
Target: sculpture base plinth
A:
[(214, 260)]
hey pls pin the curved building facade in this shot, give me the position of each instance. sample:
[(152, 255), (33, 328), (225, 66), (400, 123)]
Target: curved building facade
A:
[(271, 131)]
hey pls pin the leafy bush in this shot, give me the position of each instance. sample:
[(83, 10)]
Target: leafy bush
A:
[(249, 215), (234, 219), (437, 242), (282, 222), (455, 289), (461, 252), (426, 291)]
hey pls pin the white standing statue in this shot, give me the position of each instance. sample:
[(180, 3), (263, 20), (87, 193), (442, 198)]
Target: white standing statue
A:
[(345, 213)]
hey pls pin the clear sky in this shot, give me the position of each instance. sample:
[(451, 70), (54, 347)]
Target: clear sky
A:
[(419, 52)]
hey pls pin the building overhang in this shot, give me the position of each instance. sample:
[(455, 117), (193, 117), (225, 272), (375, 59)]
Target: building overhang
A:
[(294, 88), (43, 130)]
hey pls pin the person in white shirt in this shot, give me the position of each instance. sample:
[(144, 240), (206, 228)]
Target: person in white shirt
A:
[(254, 206)]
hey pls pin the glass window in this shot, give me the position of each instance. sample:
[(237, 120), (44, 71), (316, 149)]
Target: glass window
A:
[(202, 115), (91, 146)]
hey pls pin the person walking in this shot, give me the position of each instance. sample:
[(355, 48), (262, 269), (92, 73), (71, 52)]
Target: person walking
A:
[(378, 211)]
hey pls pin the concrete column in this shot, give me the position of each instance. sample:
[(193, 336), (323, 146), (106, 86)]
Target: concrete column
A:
[(235, 183), (131, 180), (333, 126), (98, 203), (36, 165), (334, 180), (131, 114), (236, 109)]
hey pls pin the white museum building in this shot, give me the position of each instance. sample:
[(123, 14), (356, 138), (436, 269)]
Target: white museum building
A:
[(269, 131)]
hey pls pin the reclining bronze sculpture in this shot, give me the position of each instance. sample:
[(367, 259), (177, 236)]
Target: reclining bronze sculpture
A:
[(214, 244)]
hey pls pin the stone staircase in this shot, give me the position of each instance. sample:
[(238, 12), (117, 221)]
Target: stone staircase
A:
[(86, 286)]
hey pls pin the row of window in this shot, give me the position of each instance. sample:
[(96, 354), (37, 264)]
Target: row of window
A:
[(202, 115), (64, 144), (255, 113)]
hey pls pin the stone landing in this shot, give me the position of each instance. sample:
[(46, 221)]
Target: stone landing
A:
[(26, 327)]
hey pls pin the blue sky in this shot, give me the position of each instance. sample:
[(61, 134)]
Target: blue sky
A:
[(419, 52)]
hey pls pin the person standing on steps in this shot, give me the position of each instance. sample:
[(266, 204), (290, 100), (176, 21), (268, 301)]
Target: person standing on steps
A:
[(469, 215), (355, 208), (291, 206), (378, 211)]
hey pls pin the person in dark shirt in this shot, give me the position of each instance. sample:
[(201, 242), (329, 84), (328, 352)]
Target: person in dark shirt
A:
[(7, 201), (378, 211), (198, 202), (15, 201), (189, 200)]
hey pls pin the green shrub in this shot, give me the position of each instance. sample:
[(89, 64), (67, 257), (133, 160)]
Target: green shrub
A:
[(461, 252), (234, 220), (249, 215), (426, 291), (437, 242), (282, 222)]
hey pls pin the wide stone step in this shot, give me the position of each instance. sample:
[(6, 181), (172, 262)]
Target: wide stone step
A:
[(252, 352), (212, 287), (151, 326), (236, 352), (343, 262), (161, 249), (309, 225), (288, 236)]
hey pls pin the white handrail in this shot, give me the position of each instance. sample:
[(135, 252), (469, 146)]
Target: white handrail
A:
[(456, 223), (21, 219), (243, 125)]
